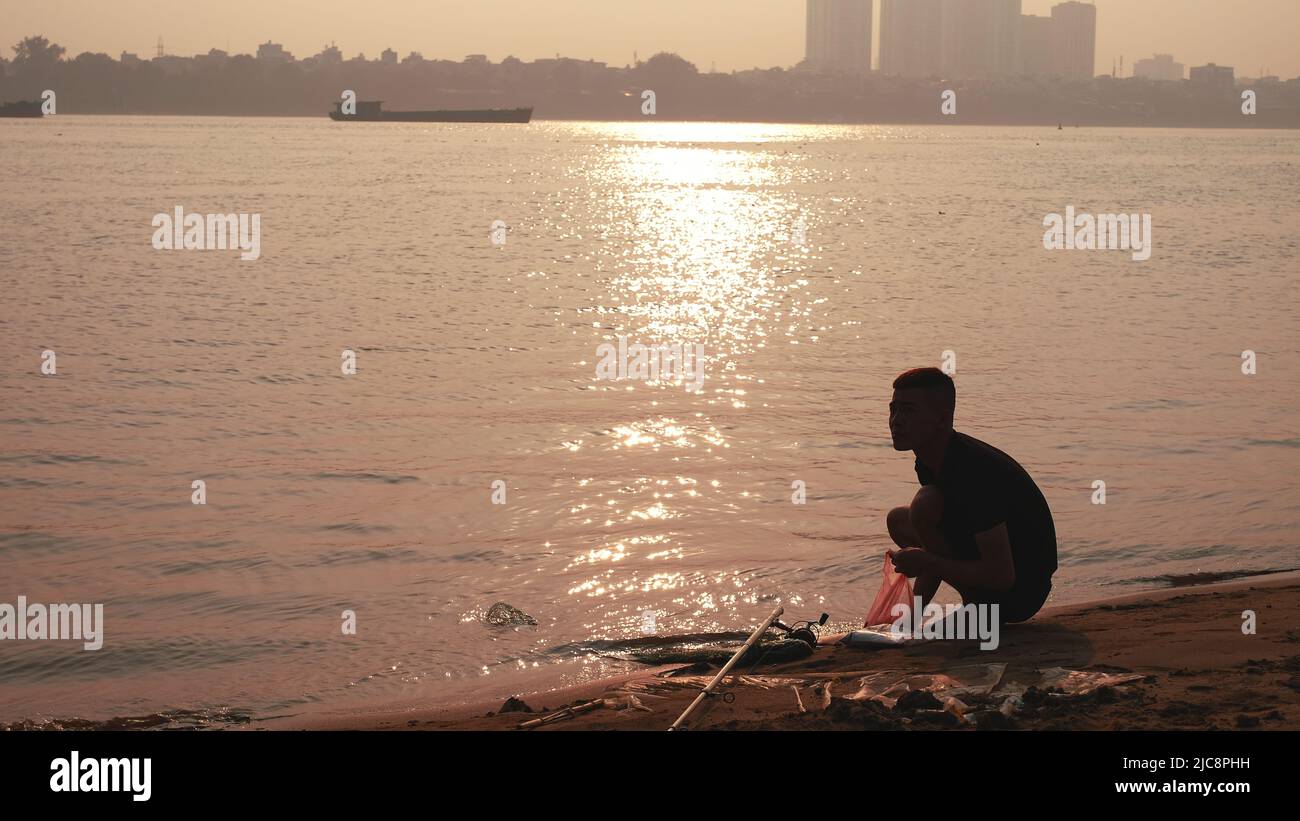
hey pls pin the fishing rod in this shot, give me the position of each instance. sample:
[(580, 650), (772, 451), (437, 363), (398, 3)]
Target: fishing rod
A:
[(753, 637)]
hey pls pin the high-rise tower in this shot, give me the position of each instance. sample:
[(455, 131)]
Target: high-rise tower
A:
[(839, 35)]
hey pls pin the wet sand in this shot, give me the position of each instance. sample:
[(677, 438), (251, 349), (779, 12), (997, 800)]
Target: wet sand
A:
[(1190, 665)]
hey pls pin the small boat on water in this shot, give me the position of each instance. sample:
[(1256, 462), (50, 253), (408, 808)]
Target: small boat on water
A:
[(370, 111), (21, 108)]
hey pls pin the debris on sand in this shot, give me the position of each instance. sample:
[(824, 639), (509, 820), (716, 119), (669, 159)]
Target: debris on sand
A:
[(917, 700), (623, 701), (888, 686), (978, 695), (515, 705), (699, 668), (868, 715), (1082, 682), (775, 651)]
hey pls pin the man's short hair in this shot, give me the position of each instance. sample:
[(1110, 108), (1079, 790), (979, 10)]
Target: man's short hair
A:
[(933, 381)]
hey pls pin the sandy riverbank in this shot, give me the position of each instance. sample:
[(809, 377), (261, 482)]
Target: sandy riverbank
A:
[(1172, 659)]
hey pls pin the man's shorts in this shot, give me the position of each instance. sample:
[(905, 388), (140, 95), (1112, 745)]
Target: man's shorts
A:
[(1018, 604)]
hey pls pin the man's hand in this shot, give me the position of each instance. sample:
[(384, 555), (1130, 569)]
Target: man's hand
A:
[(912, 561)]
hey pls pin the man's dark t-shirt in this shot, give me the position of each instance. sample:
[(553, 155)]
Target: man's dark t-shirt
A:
[(983, 487)]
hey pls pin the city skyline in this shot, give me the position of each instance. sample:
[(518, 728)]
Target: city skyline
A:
[(839, 35), (960, 39), (1254, 36)]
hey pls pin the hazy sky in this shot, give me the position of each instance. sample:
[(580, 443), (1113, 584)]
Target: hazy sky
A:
[(1247, 34)]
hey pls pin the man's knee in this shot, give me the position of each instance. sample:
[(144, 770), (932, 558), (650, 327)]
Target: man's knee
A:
[(926, 508), (899, 522)]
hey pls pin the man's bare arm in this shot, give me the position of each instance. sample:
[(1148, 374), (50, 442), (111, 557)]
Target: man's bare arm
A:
[(994, 570)]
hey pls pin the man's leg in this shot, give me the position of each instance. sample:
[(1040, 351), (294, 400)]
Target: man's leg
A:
[(917, 525)]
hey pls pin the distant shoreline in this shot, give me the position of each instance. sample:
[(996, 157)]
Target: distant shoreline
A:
[(647, 120)]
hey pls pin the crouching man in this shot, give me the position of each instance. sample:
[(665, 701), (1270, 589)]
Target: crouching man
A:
[(978, 521)]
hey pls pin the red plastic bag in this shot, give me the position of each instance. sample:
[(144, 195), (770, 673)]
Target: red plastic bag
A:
[(896, 589)]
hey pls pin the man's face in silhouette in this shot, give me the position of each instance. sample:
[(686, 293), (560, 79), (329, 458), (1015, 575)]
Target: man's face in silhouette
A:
[(916, 416)]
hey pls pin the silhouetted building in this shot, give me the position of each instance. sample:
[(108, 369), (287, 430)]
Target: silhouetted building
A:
[(1074, 40), (1035, 45), (564, 72), (214, 58), (173, 65), (388, 57), (1159, 67), (130, 59), (328, 57), (1212, 75), (911, 37), (273, 53), (839, 35)]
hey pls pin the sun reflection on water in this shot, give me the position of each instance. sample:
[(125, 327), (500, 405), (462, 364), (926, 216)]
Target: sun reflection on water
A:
[(706, 246)]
